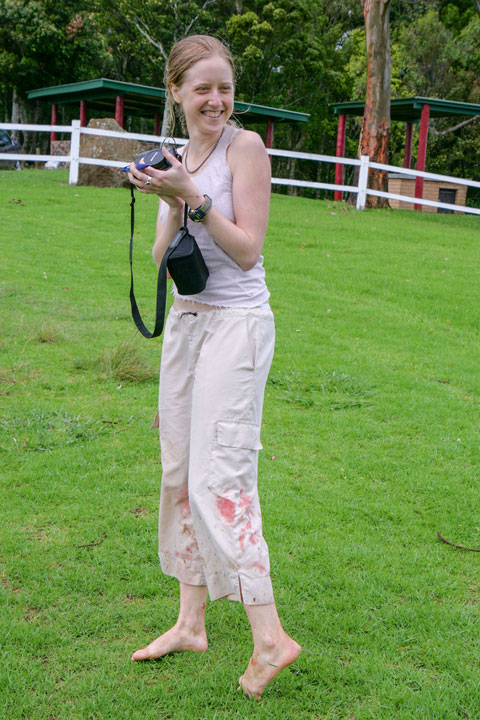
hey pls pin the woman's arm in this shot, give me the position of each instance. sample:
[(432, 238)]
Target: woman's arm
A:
[(250, 166), (165, 232)]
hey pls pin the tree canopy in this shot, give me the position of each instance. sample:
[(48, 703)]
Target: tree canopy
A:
[(300, 54)]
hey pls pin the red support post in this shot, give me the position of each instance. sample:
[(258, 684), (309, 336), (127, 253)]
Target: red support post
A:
[(269, 138), (83, 113), (422, 152), (407, 157), (119, 110), (53, 134), (157, 127), (340, 152)]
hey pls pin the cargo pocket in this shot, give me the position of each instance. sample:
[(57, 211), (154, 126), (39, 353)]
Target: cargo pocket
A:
[(234, 457)]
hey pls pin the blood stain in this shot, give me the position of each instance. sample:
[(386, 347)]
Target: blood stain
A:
[(183, 556), (226, 508), (245, 501)]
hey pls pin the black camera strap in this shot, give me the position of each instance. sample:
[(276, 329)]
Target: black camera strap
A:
[(161, 280)]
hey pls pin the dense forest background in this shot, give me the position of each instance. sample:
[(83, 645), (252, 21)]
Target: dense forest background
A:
[(297, 54)]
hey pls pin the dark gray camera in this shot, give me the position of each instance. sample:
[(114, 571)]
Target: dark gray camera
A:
[(155, 158)]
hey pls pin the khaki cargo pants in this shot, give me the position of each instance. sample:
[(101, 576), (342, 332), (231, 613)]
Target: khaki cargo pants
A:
[(214, 368)]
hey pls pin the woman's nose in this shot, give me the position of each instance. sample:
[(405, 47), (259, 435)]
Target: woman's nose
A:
[(214, 97)]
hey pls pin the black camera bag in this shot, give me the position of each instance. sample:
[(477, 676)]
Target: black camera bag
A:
[(185, 264)]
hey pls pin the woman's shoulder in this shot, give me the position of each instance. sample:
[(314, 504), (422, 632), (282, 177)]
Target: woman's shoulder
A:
[(247, 140), (245, 147)]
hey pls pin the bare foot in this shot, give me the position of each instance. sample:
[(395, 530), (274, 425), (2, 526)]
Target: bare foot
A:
[(264, 665), (174, 640)]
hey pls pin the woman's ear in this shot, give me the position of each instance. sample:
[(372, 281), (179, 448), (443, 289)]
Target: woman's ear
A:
[(174, 89)]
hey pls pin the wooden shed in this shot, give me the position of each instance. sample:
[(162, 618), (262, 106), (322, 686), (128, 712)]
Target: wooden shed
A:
[(436, 190)]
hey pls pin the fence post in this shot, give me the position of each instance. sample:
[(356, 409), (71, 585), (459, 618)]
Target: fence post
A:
[(362, 182), (74, 152)]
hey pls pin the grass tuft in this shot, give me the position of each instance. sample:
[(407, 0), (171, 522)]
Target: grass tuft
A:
[(126, 364), (49, 333), (123, 363)]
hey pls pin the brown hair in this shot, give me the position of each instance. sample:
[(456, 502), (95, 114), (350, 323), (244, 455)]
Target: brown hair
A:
[(183, 55)]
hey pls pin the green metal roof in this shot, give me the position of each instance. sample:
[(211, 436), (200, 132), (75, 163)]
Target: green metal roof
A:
[(410, 109), (278, 114), (101, 94), (145, 100)]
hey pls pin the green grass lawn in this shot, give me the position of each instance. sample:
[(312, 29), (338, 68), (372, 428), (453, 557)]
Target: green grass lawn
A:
[(371, 445)]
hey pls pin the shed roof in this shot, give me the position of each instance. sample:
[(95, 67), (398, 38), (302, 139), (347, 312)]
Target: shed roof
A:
[(146, 100), (410, 109)]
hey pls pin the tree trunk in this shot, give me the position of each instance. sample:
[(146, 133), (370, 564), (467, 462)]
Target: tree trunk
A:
[(17, 114), (375, 131), (6, 105), (31, 138), (291, 164), (167, 121)]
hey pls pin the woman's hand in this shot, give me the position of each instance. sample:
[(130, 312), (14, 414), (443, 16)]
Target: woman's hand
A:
[(174, 182), (151, 182), (174, 185)]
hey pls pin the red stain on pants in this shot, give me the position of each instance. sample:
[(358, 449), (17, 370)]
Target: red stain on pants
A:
[(227, 509)]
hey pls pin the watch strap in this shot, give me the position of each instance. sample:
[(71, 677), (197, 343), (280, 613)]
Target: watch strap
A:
[(199, 214)]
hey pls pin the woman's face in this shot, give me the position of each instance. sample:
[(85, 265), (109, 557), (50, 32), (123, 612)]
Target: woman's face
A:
[(206, 94)]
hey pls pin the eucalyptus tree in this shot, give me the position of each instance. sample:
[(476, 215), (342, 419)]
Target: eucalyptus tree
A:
[(375, 132)]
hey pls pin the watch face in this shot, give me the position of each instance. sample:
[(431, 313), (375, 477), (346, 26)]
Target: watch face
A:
[(198, 215)]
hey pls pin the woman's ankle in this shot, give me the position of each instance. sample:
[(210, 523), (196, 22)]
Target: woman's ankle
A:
[(191, 625)]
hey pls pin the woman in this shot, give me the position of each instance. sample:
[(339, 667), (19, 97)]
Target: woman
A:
[(217, 351)]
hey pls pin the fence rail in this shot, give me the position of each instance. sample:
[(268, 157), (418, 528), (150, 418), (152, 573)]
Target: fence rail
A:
[(361, 189)]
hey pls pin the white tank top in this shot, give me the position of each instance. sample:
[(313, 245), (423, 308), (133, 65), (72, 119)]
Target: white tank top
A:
[(227, 285)]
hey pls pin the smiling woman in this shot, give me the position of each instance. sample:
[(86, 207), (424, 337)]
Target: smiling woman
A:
[(206, 91), (216, 355)]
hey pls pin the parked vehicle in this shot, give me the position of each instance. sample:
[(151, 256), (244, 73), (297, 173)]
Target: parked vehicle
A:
[(7, 145)]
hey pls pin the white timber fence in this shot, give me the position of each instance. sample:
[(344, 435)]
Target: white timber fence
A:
[(361, 189)]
